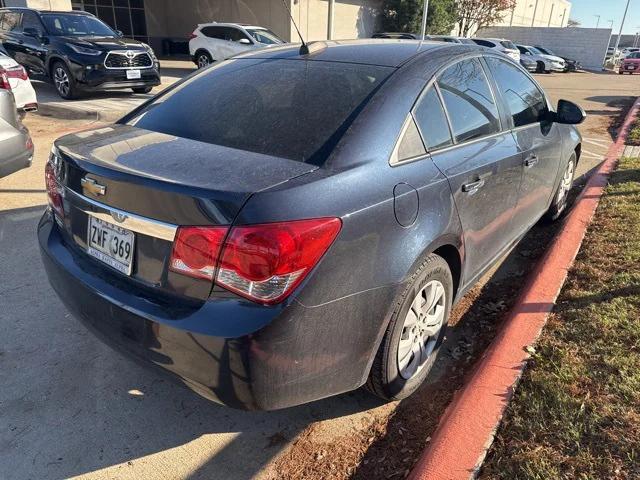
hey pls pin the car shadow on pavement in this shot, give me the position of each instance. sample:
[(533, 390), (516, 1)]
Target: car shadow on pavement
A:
[(69, 405)]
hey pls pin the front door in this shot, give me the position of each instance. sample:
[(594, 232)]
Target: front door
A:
[(539, 140), (483, 167)]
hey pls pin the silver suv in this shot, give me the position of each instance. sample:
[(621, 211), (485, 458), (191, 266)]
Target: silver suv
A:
[(16, 147)]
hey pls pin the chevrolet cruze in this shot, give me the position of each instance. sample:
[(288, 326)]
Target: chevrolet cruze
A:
[(295, 223)]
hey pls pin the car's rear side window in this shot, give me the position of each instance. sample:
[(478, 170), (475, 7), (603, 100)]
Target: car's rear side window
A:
[(508, 44), (525, 102), (432, 121), (293, 109), (469, 101), (484, 43)]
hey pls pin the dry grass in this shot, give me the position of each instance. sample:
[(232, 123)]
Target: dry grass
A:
[(576, 414)]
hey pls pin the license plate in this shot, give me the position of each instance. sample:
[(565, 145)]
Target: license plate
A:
[(134, 74), (110, 244), (631, 67)]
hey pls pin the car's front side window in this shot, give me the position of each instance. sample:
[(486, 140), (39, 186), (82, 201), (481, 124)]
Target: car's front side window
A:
[(469, 101), (30, 20), (525, 102), (264, 36)]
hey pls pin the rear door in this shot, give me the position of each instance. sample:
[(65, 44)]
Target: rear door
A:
[(483, 165), (539, 140)]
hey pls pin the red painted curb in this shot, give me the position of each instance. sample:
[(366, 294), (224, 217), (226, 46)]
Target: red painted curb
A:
[(467, 428)]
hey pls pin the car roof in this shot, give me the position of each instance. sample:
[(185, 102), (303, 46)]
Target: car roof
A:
[(44, 12), (383, 52), (230, 24)]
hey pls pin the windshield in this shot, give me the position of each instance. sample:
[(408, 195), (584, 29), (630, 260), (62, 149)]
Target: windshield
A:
[(291, 109), (634, 55), (262, 35), (535, 51), (508, 45), (61, 24)]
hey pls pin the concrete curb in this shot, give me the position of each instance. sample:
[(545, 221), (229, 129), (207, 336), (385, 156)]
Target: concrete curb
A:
[(71, 113), (467, 428)]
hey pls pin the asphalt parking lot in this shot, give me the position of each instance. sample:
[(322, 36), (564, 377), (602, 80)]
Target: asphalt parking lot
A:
[(70, 406)]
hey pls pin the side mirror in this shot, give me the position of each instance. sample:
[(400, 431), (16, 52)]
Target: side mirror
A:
[(569, 113), (244, 41), (31, 32)]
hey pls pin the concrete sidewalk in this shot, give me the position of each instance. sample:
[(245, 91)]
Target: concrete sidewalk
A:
[(105, 106)]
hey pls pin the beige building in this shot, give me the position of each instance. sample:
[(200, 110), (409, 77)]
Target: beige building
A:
[(537, 13), (166, 24)]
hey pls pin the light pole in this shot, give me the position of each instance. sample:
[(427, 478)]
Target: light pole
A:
[(624, 17), (535, 12), (598, 22), (424, 18)]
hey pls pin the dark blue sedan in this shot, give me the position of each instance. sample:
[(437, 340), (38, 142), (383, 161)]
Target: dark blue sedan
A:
[(289, 225)]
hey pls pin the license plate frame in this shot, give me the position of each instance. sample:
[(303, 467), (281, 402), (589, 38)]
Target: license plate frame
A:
[(100, 244), (134, 74)]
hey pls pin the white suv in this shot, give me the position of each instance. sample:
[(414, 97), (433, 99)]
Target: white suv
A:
[(546, 63), (502, 45), (212, 42)]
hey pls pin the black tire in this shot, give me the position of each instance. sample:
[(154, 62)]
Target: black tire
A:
[(385, 378), (142, 89), (63, 81), (203, 59), (561, 195), (540, 68)]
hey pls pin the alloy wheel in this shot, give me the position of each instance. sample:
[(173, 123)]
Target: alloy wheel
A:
[(203, 61), (421, 329), (566, 184), (61, 80)]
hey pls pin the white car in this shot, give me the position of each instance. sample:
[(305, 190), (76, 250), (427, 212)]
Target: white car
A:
[(13, 77), (546, 63), (213, 42), (502, 45)]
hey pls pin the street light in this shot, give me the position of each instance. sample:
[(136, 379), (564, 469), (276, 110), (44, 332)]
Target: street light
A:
[(624, 17), (598, 22)]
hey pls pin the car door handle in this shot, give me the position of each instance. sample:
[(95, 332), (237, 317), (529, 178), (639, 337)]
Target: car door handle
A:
[(532, 161), (473, 187)]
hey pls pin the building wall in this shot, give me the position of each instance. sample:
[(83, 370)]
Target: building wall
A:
[(351, 19), (538, 13), (587, 45), (40, 4)]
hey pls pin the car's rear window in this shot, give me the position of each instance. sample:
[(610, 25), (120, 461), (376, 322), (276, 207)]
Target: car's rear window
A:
[(293, 109), (509, 45)]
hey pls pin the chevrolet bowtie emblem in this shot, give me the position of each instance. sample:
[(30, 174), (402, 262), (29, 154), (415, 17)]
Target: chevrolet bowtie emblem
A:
[(89, 185)]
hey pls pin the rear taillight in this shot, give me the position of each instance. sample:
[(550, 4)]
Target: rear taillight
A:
[(196, 250), (4, 80), (53, 190), (193, 35), (261, 262)]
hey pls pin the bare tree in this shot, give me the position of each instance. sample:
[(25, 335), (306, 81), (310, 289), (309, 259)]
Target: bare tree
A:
[(475, 14)]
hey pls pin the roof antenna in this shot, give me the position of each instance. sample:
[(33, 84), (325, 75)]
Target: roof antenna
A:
[(304, 49)]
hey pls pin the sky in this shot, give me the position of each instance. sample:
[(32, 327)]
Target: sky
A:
[(585, 10)]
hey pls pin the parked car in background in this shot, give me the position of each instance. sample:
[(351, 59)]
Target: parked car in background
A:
[(546, 63), (397, 35), (214, 42), (16, 147), (501, 45), (313, 234), (14, 78), (630, 64), (628, 51), (77, 52), (571, 65), (450, 39), (529, 63)]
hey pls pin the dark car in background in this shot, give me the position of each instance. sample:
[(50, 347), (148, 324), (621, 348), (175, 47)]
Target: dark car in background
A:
[(76, 51), (290, 224), (571, 65)]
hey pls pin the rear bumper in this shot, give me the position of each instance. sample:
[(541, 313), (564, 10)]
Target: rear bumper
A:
[(17, 161), (229, 350)]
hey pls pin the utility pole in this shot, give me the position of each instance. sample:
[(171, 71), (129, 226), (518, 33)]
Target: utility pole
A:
[(535, 11), (624, 17), (598, 22), (424, 18)]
